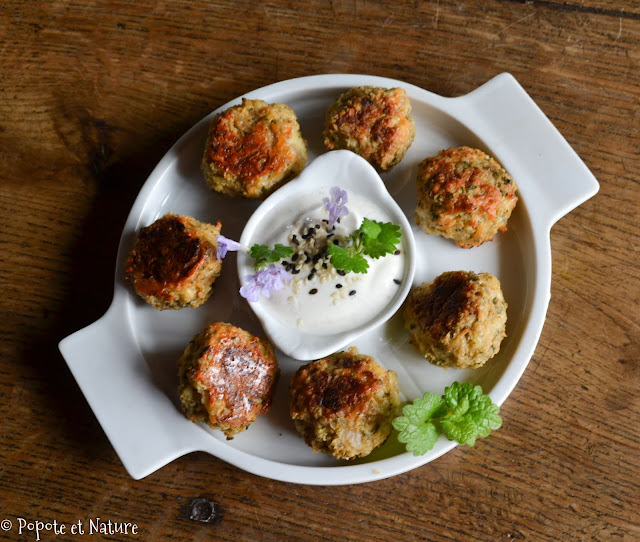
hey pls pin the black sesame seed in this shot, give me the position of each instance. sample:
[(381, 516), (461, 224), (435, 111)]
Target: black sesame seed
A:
[(294, 239), (317, 226), (295, 271), (324, 266), (325, 221), (396, 252), (338, 221), (294, 258), (313, 291), (397, 281), (338, 285), (312, 274), (336, 242), (285, 262), (352, 292), (341, 272), (330, 235)]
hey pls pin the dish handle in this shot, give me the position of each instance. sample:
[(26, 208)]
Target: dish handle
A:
[(530, 146), (106, 362)]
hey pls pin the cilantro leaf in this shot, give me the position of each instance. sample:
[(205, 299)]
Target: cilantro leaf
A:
[(263, 255), (379, 238), (259, 254), (342, 258), (463, 413), (279, 252), (370, 228)]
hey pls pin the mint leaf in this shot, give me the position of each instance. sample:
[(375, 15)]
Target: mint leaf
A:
[(463, 413), (379, 238), (263, 255), (461, 429), (417, 430), (343, 259), (470, 413)]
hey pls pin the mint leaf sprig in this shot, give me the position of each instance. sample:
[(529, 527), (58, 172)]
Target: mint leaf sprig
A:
[(462, 414), (263, 255), (374, 239)]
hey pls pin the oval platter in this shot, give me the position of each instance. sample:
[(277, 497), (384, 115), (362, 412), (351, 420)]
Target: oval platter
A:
[(126, 362)]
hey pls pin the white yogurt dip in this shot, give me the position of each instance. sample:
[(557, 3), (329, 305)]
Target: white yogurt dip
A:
[(327, 302)]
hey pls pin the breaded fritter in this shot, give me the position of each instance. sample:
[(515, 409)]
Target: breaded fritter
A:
[(343, 404), (464, 195), (173, 264), (458, 320), (374, 122), (227, 378), (252, 149)]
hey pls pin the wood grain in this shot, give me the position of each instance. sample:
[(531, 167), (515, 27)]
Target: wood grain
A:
[(92, 94)]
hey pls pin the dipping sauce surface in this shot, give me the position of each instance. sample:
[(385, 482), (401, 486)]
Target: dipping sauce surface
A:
[(319, 299)]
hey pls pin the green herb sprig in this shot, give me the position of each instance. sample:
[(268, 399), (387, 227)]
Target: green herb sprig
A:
[(263, 255), (372, 238), (463, 413)]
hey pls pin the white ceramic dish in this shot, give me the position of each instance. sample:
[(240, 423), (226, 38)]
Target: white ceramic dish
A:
[(125, 363), (355, 175)]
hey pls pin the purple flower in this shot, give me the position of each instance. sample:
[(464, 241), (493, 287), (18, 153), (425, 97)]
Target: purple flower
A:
[(264, 282), (225, 245), (336, 205)]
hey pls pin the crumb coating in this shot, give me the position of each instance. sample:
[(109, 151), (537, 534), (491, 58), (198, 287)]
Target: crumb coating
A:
[(227, 378), (464, 195), (252, 149), (173, 263), (458, 320), (374, 122), (343, 404)]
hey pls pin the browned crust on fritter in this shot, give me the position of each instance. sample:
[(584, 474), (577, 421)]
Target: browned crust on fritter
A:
[(338, 385), (227, 378), (458, 320), (168, 256), (373, 122), (253, 148), (449, 300), (343, 404), (464, 195)]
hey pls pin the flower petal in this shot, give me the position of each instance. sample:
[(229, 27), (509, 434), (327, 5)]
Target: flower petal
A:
[(225, 245)]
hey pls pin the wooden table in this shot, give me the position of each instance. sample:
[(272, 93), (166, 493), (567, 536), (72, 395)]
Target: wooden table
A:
[(92, 94)]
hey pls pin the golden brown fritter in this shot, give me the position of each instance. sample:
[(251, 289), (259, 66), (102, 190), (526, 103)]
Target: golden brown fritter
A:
[(464, 195), (173, 264), (227, 378), (252, 149), (458, 320), (343, 404), (373, 122)]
